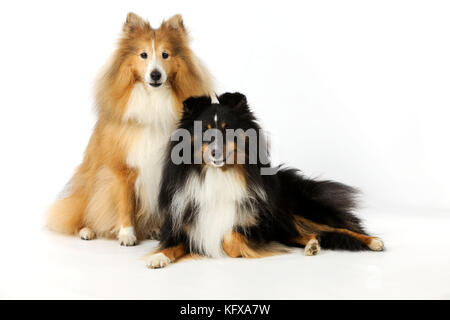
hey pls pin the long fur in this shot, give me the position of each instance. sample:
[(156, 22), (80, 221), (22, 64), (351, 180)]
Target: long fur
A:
[(115, 189), (285, 208), (324, 202)]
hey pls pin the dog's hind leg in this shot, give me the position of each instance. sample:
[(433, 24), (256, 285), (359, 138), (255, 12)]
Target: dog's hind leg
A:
[(373, 243), (87, 233), (311, 244)]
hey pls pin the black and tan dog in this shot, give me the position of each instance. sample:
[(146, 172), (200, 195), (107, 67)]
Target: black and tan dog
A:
[(222, 206)]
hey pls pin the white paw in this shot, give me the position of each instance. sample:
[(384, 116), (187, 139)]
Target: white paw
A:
[(127, 236), (312, 248), (376, 244), (157, 260), (87, 234)]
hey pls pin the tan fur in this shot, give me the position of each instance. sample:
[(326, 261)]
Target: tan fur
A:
[(101, 192), (236, 245), (162, 258), (304, 239), (175, 253), (309, 229)]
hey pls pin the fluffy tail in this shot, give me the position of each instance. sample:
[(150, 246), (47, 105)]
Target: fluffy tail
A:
[(327, 205), (65, 215)]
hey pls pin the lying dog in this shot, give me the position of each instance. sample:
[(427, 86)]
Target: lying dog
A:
[(223, 198)]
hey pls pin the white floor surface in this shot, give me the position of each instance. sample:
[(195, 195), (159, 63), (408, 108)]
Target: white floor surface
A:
[(416, 264)]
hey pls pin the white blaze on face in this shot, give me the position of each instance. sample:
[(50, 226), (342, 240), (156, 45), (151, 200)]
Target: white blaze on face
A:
[(155, 65), (213, 154)]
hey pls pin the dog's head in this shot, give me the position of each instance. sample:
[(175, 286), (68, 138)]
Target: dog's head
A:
[(224, 133), (153, 56)]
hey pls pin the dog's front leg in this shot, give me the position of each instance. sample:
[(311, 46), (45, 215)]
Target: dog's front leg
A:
[(125, 204), (234, 244), (166, 256)]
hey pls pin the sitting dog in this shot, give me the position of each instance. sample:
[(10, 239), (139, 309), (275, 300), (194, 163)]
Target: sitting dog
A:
[(140, 94)]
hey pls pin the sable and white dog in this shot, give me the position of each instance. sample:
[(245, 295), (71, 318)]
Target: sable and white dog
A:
[(139, 97)]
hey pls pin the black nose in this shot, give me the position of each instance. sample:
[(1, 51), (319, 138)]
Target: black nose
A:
[(216, 154), (155, 75)]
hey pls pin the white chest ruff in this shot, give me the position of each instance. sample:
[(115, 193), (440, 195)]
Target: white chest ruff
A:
[(154, 110), (217, 197)]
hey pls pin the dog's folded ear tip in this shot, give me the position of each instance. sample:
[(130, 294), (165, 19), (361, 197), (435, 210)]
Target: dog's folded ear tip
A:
[(192, 103), (233, 99), (133, 18), (133, 22), (176, 22), (187, 104), (131, 15)]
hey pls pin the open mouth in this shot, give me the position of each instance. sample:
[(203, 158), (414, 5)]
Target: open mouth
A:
[(217, 163), (155, 84)]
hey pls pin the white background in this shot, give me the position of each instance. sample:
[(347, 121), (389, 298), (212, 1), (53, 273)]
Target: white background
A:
[(356, 91)]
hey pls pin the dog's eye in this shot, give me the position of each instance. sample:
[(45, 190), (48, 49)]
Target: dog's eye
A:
[(165, 55), (144, 55)]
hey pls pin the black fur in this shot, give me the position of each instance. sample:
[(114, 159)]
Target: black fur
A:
[(288, 193)]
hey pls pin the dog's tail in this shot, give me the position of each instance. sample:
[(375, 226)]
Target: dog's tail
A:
[(324, 208), (66, 214)]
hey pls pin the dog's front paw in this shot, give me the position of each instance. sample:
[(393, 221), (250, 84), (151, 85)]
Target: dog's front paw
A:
[(127, 236), (157, 260)]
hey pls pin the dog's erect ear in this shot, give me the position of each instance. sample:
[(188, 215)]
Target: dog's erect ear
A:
[(176, 22), (196, 104), (234, 100), (134, 22)]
